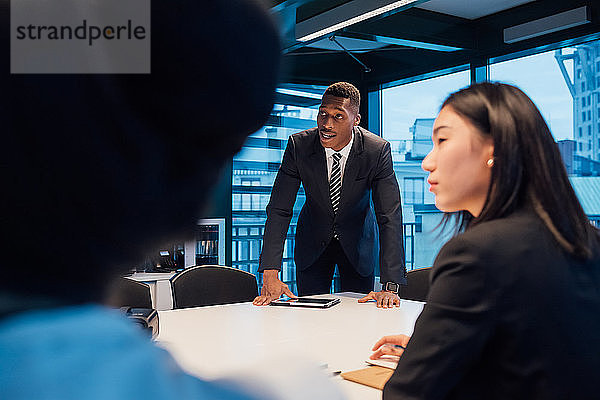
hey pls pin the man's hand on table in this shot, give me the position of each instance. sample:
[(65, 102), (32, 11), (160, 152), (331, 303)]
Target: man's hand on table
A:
[(272, 288), (384, 299), (393, 345)]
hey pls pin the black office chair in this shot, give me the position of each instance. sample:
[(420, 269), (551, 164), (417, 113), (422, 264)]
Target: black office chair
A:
[(209, 285), (417, 284), (124, 292)]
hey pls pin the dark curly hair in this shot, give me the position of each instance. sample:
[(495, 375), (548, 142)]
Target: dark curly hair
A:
[(345, 90)]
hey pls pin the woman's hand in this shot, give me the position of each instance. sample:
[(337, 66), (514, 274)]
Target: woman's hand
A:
[(393, 345)]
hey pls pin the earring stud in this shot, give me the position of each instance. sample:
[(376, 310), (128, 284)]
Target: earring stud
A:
[(490, 162)]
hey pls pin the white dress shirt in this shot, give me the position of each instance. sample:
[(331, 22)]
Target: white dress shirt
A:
[(345, 152)]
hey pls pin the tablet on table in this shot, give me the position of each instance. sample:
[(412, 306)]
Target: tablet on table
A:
[(306, 302)]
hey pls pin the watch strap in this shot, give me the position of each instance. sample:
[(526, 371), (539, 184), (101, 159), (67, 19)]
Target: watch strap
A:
[(391, 287)]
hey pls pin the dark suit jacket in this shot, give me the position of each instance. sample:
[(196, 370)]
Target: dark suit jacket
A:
[(509, 315), (369, 171)]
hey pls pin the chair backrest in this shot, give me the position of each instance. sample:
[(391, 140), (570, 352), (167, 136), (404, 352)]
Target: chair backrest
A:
[(124, 292), (209, 285), (417, 285)]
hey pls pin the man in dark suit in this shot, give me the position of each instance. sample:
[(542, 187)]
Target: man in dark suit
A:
[(342, 167)]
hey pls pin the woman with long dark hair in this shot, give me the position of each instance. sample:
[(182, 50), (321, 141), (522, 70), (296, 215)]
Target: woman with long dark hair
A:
[(513, 309)]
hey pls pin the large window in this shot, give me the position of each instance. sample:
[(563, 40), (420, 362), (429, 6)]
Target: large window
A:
[(407, 114), (409, 108), (254, 171), (565, 85), (540, 77)]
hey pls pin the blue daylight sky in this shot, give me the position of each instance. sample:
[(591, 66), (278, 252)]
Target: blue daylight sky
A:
[(538, 76)]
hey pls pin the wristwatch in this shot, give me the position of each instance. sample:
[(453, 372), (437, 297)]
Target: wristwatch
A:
[(391, 287)]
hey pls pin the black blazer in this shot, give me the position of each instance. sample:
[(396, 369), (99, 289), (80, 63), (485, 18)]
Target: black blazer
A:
[(509, 315), (369, 173)]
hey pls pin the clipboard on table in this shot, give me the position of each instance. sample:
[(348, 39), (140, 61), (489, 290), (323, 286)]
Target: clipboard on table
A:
[(306, 302), (373, 376)]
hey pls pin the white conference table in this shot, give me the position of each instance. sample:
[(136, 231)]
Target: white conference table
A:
[(211, 342)]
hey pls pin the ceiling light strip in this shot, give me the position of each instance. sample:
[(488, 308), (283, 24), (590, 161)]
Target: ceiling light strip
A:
[(356, 19)]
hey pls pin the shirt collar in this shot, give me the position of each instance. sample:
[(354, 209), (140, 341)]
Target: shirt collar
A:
[(345, 152)]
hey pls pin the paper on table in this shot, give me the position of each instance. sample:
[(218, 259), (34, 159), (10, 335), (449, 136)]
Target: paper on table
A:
[(386, 362)]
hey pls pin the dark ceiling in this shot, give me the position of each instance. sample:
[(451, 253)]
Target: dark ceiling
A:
[(477, 39)]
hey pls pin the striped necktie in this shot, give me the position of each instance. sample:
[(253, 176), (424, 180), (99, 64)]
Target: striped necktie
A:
[(335, 182)]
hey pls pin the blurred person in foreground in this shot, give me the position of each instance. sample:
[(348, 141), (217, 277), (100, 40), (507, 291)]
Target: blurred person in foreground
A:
[(97, 170), (513, 305)]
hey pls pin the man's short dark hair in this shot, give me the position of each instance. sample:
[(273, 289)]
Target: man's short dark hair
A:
[(345, 90)]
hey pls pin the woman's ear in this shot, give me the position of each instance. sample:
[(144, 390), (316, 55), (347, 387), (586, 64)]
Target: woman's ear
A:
[(490, 153), (491, 149)]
